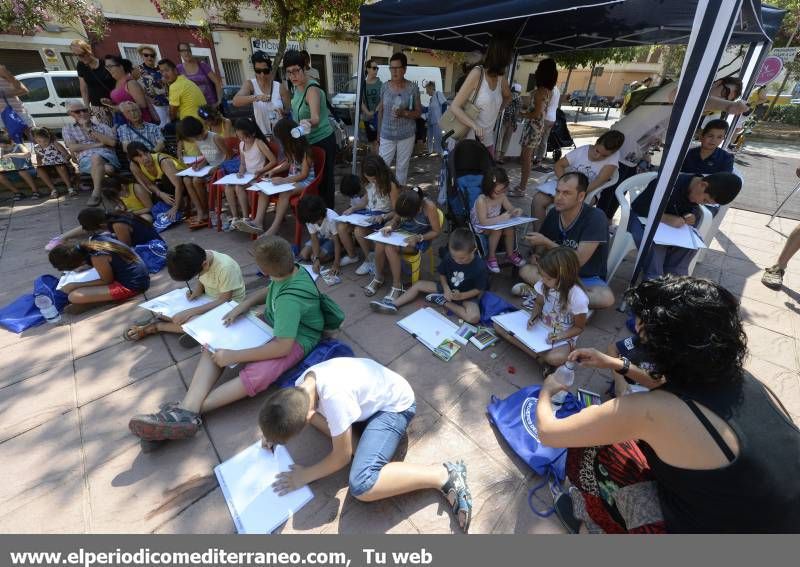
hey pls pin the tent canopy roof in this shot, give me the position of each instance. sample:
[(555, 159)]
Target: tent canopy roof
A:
[(549, 26)]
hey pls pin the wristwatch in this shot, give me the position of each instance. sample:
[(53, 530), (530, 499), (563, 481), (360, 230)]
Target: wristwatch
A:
[(626, 365)]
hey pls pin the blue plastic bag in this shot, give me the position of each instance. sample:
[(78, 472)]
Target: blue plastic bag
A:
[(14, 123), (325, 350), (153, 254), (160, 220), (491, 305), (23, 314)]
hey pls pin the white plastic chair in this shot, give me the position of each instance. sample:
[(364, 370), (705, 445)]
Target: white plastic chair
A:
[(623, 242), (706, 229), (715, 222), (592, 195)]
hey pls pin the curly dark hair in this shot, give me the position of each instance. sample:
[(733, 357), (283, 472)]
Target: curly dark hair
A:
[(692, 330)]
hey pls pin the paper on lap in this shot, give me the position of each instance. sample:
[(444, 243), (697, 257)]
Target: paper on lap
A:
[(246, 481), (191, 172), (535, 338), (172, 303), (268, 188), (396, 238), (683, 237), (190, 160), (78, 277), (356, 219), (234, 179), (507, 224), (247, 331)]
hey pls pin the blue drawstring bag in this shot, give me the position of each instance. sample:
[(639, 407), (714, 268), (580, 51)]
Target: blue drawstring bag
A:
[(325, 350), (491, 305), (153, 254), (160, 220), (23, 314), (14, 123), (515, 420)]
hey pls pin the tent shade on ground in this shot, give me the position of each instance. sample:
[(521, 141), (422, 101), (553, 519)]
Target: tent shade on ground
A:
[(550, 26)]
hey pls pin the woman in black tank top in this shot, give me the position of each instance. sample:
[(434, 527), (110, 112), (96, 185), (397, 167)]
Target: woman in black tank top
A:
[(711, 451)]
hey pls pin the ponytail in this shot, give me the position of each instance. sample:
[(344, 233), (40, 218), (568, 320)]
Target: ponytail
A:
[(117, 248), (68, 257), (409, 202)]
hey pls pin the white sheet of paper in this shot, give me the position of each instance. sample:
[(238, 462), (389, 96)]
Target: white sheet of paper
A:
[(310, 269), (189, 160), (234, 179), (246, 482), (509, 223), (429, 327), (396, 238), (248, 331), (191, 172), (174, 302), (516, 323), (356, 219), (683, 237), (89, 275), (268, 188)]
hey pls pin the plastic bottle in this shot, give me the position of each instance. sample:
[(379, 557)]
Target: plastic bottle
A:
[(47, 309), (565, 374), (300, 130), (397, 105)]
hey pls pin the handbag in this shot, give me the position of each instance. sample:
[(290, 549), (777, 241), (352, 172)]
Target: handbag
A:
[(448, 122), (13, 122)]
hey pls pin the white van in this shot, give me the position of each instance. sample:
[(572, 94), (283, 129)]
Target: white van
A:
[(343, 102), (48, 95)]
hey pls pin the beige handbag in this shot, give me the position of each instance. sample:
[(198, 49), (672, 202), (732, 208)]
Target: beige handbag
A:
[(449, 122)]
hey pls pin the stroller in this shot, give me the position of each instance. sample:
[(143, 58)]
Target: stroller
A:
[(559, 136)]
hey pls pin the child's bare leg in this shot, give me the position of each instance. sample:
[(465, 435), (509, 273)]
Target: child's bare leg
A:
[(380, 260), (7, 184), (27, 178), (94, 294), (205, 376), (343, 232), (144, 197), (230, 196), (200, 200), (395, 265), (261, 209), (280, 211), (539, 208), (244, 205), (422, 286), (224, 394), (361, 237), (494, 241), (400, 478), (508, 239), (63, 173), (556, 356), (469, 311), (41, 173), (76, 232), (305, 253)]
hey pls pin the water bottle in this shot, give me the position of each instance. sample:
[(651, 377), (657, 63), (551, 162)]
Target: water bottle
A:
[(398, 104), (300, 130), (565, 374), (47, 309)]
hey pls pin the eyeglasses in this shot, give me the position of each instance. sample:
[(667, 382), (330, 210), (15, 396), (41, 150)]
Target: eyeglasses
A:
[(263, 71), (293, 71), (148, 55), (393, 68), (79, 111), (184, 50)]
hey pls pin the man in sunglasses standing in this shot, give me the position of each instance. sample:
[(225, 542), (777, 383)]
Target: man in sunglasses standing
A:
[(93, 143), (155, 88)]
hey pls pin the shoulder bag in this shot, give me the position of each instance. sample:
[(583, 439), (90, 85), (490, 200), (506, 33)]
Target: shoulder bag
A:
[(448, 122)]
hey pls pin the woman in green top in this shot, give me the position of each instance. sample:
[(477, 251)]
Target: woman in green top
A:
[(369, 104), (310, 108)]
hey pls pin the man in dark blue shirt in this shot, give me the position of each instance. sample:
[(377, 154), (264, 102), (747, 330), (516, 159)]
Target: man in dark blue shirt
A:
[(688, 193), (708, 157)]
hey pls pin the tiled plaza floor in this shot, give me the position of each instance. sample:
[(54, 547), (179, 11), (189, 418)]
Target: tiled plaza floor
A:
[(67, 392)]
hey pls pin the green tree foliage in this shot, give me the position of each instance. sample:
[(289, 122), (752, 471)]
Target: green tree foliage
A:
[(27, 17)]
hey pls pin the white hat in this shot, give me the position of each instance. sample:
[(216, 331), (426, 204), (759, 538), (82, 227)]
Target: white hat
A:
[(516, 87)]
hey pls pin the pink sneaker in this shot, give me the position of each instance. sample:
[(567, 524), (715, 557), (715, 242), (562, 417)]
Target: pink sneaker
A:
[(493, 266), (517, 260)]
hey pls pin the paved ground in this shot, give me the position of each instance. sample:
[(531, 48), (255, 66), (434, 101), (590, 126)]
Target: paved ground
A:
[(66, 393)]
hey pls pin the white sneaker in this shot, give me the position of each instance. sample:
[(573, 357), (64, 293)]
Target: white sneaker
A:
[(248, 226), (365, 268), (347, 260)]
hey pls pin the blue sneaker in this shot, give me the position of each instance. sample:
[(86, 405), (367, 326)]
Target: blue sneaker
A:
[(385, 306)]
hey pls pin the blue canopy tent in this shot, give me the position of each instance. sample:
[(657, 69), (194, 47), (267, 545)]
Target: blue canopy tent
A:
[(551, 26)]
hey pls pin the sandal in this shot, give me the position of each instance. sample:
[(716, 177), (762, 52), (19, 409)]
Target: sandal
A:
[(393, 294), (93, 201), (457, 493), (516, 192), (196, 224), (138, 332), (18, 196), (372, 287), (54, 194)]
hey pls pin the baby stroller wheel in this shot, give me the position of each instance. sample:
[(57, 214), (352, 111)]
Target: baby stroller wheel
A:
[(556, 154)]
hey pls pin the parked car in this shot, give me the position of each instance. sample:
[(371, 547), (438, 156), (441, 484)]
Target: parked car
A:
[(234, 112), (343, 102), (48, 95), (577, 98)]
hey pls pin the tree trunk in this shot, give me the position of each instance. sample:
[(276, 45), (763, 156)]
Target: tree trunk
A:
[(588, 86), (566, 83)]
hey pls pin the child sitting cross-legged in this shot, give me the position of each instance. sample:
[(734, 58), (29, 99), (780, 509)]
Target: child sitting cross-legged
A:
[(219, 277), (488, 210), (560, 302), (332, 397), (324, 242), (462, 279), (297, 327)]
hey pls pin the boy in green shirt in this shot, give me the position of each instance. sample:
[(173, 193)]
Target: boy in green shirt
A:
[(297, 324)]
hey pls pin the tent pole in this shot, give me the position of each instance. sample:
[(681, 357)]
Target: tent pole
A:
[(363, 45), (711, 32), (756, 53)]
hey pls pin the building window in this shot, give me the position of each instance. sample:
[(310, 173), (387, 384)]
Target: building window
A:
[(70, 61), (342, 68), (129, 51), (203, 54), (232, 69)]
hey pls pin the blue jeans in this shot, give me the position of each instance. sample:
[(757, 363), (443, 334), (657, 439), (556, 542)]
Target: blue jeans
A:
[(377, 446), (660, 259)]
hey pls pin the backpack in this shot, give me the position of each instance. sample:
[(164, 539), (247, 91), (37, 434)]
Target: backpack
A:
[(332, 314)]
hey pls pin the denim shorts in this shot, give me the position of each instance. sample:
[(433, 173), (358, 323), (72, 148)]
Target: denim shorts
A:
[(377, 446), (85, 163), (326, 246), (593, 281)]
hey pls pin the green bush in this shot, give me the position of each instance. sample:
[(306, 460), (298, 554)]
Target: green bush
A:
[(786, 113)]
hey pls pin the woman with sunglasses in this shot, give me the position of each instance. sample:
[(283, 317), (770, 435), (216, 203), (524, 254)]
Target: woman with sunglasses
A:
[(96, 83), (201, 74), (369, 104), (127, 88), (149, 76), (270, 98)]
